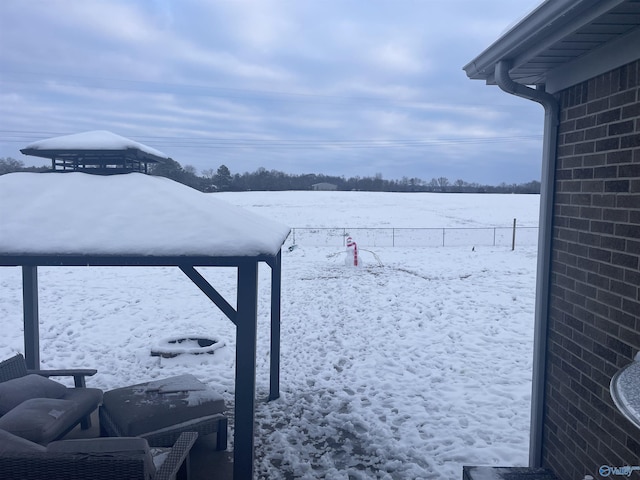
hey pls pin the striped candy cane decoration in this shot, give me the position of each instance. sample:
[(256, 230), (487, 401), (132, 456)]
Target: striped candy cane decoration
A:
[(352, 244)]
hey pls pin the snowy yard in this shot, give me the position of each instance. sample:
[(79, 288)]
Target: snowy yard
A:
[(409, 367)]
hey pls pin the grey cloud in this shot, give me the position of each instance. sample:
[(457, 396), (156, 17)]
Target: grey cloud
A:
[(320, 84)]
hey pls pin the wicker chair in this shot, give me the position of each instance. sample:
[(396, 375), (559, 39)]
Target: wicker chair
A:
[(87, 464), (86, 400), (16, 367)]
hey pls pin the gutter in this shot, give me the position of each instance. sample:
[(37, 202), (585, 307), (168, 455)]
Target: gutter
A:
[(543, 276)]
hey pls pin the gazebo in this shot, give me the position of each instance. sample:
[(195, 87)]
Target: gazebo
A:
[(98, 152), (76, 219)]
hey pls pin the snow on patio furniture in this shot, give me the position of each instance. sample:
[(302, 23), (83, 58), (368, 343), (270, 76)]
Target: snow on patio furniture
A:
[(96, 459), (160, 410), (39, 409)]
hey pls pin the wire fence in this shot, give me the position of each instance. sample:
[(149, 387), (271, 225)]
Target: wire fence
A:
[(416, 237)]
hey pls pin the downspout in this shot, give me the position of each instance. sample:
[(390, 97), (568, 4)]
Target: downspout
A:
[(543, 277)]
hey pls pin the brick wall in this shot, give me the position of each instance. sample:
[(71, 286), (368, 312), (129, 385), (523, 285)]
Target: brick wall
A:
[(594, 320)]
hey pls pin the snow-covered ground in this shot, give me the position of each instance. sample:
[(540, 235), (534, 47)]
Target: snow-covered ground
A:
[(409, 367)]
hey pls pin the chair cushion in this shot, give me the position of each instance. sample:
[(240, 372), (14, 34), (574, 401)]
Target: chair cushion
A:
[(14, 392), (41, 420), (12, 443), (87, 399), (130, 447)]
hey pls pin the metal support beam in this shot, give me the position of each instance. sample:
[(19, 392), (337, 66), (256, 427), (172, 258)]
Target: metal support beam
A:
[(30, 309), (246, 333), (209, 291), (276, 293)]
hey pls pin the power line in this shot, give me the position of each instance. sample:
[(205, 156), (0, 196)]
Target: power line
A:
[(22, 136)]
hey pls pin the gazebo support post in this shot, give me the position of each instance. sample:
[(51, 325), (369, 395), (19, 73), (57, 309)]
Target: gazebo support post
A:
[(276, 293), (245, 317), (30, 309), (246, 327)]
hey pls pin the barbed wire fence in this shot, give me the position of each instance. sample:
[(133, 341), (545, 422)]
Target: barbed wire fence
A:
[(416, 237)]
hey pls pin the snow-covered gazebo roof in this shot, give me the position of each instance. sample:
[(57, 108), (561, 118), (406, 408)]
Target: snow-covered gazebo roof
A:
[(97, 151), (133, 215), (76, 219)]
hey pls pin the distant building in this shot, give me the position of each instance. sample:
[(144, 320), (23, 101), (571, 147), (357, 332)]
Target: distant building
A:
[(324, 186)]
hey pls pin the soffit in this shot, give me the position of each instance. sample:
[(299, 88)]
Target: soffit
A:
[(560, 33)]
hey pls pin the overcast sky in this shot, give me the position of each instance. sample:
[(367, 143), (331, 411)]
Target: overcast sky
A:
[(340, 87)]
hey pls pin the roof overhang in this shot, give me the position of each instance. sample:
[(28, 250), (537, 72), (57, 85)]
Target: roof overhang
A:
[(96, 156), (556, 43)]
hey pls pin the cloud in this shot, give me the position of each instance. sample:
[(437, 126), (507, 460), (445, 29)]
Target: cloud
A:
[(398, 58), (306, 85), (258, 25)]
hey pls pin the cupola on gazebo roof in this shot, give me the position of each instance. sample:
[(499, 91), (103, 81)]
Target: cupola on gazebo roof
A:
[(99, 152)]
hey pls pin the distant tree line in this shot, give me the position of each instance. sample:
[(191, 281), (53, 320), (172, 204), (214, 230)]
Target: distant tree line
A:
[(222, 180), (9, 165)]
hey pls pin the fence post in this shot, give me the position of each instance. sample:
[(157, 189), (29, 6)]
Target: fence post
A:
[(494, 236), (393, 237), (513, 240), (443, 237)]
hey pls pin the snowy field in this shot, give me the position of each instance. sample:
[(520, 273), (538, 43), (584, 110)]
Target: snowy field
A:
[(409, 367)]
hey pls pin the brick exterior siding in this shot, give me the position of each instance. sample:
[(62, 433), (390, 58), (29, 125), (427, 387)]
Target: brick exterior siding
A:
[(594, 318)]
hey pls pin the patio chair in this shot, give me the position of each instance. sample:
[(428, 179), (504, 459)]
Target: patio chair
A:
[(39, 409), (122, 458)]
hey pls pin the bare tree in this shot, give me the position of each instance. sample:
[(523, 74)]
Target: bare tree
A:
[(8, 165), (190, 169), (208, 173)]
